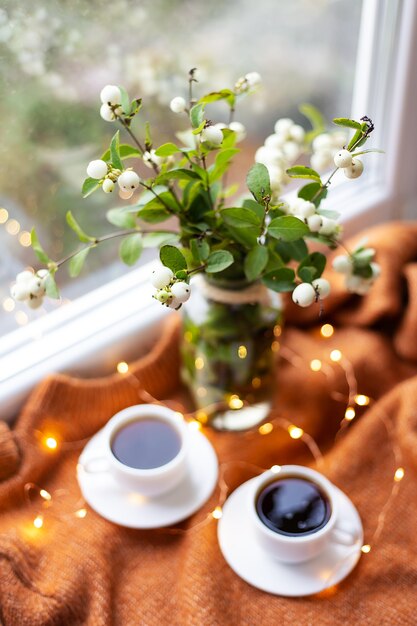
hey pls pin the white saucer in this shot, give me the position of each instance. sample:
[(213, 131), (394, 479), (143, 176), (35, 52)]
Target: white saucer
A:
[(251, 562), (123, 506)]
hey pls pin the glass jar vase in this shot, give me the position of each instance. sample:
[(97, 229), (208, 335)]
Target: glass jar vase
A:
[(229, 346)]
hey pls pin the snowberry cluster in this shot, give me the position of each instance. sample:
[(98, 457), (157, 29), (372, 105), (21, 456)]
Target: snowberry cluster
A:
[(111, 99), (281, 149), (248, 83), (306, 211), (107, 176), (359, 269), (30, 288), (170, 291), (325, 146), (306, 293)]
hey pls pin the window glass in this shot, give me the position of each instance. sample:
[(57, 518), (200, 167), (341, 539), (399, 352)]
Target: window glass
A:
[(57, 55)]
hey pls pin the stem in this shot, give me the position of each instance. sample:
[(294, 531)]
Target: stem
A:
[(149, 188), (197, 269), (120, 233), (203, 159)]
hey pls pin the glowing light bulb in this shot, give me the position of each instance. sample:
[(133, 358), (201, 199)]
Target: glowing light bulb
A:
[(122, 367), (350, 413), (8, 304), (315, 365), (235, 402), (366, 548), (21, 318), (199, 363), (45, 494), (201, 416), (275, 469), (38, 521), (242, 352), (25, 239), (217, 513), (326, 331), (81, 513), (201, 392), (275, 346), (335, 356), (399, 474), (12, 227), (51, 443), (4, 216), (265, 429), (277, 331), (194, 425), (295, 432), (362, 400)]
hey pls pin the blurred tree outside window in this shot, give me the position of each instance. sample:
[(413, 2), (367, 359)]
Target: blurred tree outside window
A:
[(56, 56)]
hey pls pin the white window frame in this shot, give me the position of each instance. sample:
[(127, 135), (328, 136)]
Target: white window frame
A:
[(120, 320)]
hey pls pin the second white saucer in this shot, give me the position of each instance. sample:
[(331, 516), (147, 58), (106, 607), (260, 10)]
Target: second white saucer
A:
[(251, 562), (125, 507)]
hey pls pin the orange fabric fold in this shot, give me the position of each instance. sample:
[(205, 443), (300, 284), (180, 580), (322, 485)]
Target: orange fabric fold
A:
[(89, 571)]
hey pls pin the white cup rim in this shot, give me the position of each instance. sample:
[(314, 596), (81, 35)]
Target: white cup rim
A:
[(304, 472), (143, 411)]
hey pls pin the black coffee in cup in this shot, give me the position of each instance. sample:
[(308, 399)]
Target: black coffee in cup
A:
[(146, 443), (293, 506)]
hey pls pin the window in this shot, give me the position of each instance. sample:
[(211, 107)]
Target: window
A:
[(57, 56)]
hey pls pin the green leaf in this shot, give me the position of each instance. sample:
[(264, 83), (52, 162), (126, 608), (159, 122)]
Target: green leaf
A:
[(255, 262), (281, 279), (240, 217), (355, 154), (126, 106), (114, 151), (121, 218), (288, 250), (219, 261), (245, 236), (316, 262), (72, 223), (314, 116), (89, 185), (307, 273), (200, 249), (158, 238), (257, 208), (363, 257), (214, 96), (172, 257), (37, 248), (198, 130), (177, 174), (222, 163), (77, 262), (148, 136), (197, 115), (167, 149), (131, 249), (301, 171), (287, 228), (258, 182), (51, 287), (126, 151), (313, 192), (346, 122)]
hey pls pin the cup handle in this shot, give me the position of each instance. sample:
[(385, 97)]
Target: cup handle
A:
[(345, 534), (97, 465)]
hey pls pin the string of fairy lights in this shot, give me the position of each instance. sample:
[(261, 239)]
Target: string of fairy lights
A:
[(196, 420)]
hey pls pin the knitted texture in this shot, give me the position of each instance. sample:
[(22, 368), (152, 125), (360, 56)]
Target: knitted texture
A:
[(88, 571)]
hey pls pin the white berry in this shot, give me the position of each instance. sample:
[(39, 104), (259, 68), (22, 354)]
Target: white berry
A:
[(107, 113), (178, 105), (343, 158), (35, 303), (128, 180), (322, 287), (322, 142), (354, 170), (342, 264), (291, 150), (321, 160), (307, 209), (161, 277), (328, 226), (108, 185), (19, 292), (181, 291), (162, 295), (24, 277), (36, 286), (283, 126), (357, 284), (253, 79), (212, 135), (125, 195), (314, 222), (239, 129), (274, 141), (297, 133), (110, 94), (304, 294), (97, 169), (174, 303), (150, 159)]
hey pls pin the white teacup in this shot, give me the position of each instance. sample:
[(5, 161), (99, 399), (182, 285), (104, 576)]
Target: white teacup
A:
[(148, 482), (300, 547)]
